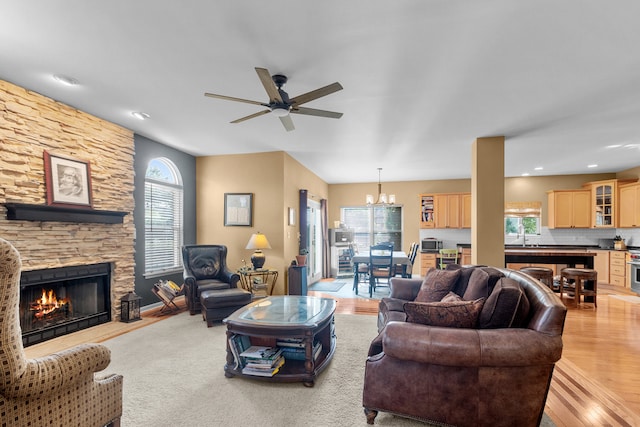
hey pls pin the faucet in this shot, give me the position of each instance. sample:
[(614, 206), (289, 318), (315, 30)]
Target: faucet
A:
[(524, 235)]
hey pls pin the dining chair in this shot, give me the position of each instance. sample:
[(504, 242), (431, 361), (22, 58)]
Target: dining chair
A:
[(380, 265), (361, 270), (406, 270), (448, 256)]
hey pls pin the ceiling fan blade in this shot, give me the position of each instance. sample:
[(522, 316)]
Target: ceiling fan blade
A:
[(287, 123), (315, 94), (231, 98), (315, 112), (259, 113), (269, 85)]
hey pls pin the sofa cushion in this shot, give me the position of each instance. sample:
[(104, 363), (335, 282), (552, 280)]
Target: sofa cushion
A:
[(506, 307), (204, 264), (452, 314), (463, 281), (437, 284), (481, 283)]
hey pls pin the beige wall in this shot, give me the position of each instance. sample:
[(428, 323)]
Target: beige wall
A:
[(274, 178)]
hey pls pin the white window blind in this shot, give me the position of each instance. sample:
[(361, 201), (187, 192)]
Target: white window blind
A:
[(163, 221)]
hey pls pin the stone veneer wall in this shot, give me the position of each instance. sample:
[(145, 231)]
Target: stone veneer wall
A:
[(30, 124)]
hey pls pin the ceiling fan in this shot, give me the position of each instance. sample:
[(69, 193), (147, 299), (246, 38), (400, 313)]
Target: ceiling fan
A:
[(279, 102)]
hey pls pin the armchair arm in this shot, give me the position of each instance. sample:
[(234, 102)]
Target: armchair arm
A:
[(403, 288), (230, 277), (470, 347), (58, 371)]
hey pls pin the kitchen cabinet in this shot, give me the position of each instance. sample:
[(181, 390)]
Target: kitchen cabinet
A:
[(427, 211), (604, 202), (629, 204), (465, 199), (569, 209), (601, 264), (427, 260), (617, 268), (447, 210), (465, 256)]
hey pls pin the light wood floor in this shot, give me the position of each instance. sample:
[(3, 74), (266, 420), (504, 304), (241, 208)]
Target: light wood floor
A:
[(596, 383)]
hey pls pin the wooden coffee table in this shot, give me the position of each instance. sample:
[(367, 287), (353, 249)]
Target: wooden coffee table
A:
[(308, 319)]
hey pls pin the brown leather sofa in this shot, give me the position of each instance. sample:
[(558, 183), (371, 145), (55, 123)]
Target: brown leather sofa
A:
[(493, 374), (205, 268)]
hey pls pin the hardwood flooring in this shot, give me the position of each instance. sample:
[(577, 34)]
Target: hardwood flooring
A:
[(596, 383)]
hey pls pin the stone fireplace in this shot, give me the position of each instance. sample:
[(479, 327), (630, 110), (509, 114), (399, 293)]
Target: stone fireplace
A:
[(59, 301), (50, 238)]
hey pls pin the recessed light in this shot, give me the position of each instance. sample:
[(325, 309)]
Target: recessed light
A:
[(65, 80), (592, 166), (140, 115), (525, 174), (631, 146), (614, 146), (538, 168)]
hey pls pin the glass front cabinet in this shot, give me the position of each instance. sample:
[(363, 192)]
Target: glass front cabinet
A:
[(604, 203)]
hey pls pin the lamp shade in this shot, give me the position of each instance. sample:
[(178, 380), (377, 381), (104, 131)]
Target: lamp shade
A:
[(258, 241)]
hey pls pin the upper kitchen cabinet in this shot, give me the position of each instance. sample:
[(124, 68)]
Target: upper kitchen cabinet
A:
[(629, 203), (569, 209), (445, 210), (604, 207), (427, 211)]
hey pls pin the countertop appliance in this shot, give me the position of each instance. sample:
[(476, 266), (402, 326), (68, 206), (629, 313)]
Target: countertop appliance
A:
[(635, 270), (430, 245)]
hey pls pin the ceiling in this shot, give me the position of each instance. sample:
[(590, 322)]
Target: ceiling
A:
[(422, 78)]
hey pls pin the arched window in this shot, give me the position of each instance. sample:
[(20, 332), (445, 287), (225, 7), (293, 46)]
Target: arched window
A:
[(163, 217)]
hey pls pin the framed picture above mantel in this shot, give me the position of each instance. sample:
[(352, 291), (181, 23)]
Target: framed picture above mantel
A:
[(67, 181)]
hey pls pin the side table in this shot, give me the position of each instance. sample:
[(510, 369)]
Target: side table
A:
[(262, 280)]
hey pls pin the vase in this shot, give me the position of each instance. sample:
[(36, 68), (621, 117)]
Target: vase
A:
[(301, 259)]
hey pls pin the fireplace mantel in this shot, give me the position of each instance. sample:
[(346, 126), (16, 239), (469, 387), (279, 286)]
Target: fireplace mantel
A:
[(28, 212)]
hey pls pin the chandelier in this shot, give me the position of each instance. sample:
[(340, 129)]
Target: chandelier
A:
[(382, 197)]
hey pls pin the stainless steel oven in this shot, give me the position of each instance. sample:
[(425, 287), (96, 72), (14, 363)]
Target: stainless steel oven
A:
[(635, 271)]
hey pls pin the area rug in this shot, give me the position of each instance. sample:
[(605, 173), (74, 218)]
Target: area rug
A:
[(328, 285), (173, 376)]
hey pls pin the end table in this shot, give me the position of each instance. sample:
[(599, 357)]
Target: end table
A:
[(262, 280)]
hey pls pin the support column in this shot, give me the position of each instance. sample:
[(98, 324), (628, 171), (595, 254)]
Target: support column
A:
[(487, 201)]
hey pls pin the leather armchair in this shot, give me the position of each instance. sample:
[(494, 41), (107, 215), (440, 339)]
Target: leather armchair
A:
[(466, 377), (60, 389), (205, 268)]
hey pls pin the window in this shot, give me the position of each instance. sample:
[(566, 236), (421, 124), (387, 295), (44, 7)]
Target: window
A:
[(374, 224), (520, 216), (163, 218)]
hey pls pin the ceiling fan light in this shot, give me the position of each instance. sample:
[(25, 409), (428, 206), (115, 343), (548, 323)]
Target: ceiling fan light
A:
[(280, 112)]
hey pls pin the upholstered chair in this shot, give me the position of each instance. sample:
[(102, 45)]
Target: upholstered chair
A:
[(205, 268), (61, 389)]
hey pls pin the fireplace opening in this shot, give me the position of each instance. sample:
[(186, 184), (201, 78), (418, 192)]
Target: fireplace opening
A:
[(59, 301)]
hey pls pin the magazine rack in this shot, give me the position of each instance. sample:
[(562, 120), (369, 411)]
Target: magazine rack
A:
[(167, 295)]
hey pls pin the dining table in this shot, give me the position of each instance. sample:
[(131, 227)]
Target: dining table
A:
[(399, 258)]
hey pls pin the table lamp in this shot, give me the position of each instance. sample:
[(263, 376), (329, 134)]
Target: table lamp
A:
[(258, 241)]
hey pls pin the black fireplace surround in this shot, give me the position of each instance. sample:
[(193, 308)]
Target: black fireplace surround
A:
[(59, 301)]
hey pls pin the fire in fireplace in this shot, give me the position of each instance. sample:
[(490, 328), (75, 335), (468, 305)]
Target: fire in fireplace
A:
[(59, 301)]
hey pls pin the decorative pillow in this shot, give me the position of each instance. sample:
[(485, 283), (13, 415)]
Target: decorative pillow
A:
[(477, 285), (437, 284), (451, 297), (506, 307), (456, 314)]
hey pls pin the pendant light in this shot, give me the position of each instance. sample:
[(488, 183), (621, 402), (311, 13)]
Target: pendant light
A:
[(382, 197)]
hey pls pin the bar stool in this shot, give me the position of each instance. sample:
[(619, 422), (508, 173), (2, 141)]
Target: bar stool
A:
[(543, 274), (579, 276)]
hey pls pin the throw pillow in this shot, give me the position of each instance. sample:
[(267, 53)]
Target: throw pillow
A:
[(456, 314), (506, 307), (437, 284)]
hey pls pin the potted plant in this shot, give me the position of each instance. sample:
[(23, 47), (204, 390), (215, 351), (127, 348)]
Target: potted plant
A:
[(301, 259), (618, 243)]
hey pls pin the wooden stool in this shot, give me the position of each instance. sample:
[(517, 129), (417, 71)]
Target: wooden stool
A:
[(579, 276), (543, 274)]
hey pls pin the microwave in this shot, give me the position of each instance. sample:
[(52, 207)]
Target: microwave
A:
[(340, 236), (430, 245)]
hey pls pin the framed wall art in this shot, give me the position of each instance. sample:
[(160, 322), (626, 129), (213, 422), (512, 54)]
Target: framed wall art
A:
[(238, 209), (67, 181)]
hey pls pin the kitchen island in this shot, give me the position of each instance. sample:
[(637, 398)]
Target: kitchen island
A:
[(537, 255)]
